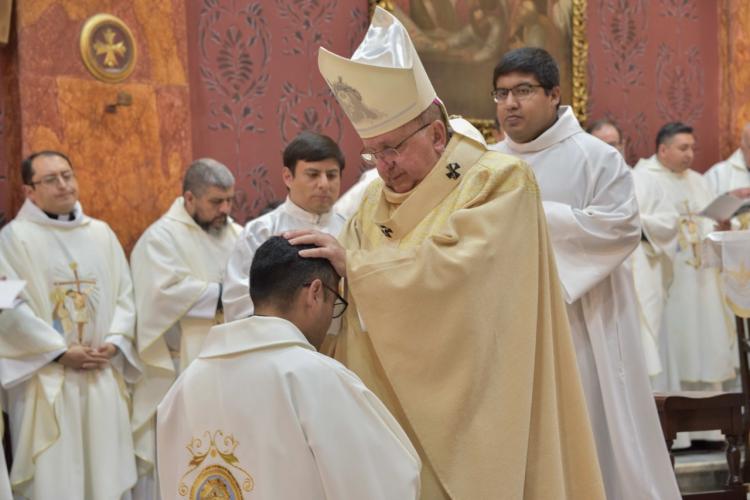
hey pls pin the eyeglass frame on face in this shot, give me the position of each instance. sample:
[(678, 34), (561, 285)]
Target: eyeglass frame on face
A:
[(520, 92), (390, 151), (339, 299), (53, 180)]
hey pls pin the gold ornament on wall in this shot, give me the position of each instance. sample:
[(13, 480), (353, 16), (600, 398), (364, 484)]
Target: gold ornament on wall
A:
[(108, 48)]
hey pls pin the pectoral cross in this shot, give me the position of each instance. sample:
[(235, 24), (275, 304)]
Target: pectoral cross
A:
[(79, 300), (109, 48)]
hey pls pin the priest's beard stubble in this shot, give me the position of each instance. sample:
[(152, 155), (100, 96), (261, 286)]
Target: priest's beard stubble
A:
[(215, 226)]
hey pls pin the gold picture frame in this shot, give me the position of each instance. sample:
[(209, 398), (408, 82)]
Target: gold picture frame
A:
[(575, 85), (108, 48)]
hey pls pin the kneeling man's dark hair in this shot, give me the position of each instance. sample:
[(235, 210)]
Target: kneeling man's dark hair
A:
[(277, 272)]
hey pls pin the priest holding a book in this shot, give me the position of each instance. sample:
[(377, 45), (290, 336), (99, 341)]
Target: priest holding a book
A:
[(698, 322)]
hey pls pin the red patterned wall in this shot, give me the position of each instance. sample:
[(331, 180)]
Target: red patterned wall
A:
[(254, 85), (651, 62), (10, 129)]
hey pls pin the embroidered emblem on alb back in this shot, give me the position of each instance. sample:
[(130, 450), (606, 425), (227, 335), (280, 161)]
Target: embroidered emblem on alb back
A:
[(213, 470)]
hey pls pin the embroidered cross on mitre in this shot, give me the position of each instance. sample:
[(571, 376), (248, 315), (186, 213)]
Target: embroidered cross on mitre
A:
[(453, 171), (387, 231)]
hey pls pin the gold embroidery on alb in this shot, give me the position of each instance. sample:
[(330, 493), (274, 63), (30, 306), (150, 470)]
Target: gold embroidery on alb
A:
[(689, 237), (212, 468)]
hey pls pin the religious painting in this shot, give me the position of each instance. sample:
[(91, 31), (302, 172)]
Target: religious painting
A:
[(461, 41)]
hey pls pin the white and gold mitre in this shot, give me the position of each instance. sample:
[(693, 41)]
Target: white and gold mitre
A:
[(384, 84)]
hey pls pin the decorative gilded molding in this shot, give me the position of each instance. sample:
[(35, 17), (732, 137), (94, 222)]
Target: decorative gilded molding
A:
[(580, 93), (108, 48)]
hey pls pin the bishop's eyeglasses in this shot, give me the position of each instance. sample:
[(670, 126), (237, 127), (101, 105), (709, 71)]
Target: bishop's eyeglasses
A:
[(520, 92), (339, 305), (389, 153)]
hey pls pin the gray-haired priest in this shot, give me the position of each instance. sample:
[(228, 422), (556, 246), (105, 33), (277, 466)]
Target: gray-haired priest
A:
[(456, 322), (178, 265)]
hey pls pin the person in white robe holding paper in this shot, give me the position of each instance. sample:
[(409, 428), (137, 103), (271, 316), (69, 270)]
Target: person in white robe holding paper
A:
[(733, 175), (700, 328), (262, 414), (592, 215), (312, 174), (67, 353), (178, 265), (651, 261)]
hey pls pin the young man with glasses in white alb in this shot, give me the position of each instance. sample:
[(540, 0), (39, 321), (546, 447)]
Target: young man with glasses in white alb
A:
[(287, 422), (592, 216), (66, 353)]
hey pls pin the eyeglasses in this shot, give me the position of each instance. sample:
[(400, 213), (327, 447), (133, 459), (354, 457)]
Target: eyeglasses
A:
[(390, 153), (521, 91), (52, 180), (339, 305)]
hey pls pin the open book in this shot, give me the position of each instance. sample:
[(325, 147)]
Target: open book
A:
[(726, 206), (9, 290)]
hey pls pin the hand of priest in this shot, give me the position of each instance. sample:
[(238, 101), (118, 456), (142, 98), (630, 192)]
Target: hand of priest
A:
[(329, 247), (741, 192), (81, 357)]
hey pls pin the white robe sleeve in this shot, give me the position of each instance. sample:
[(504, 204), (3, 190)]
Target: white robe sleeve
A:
[(122, 328), (236, 294), (590, 242), (205, 306), (359, 448)]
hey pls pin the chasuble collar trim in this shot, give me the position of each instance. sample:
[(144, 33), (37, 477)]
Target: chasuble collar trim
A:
[(252, 334), (461, 153), (32, 213), (300, 213), (566, 126)]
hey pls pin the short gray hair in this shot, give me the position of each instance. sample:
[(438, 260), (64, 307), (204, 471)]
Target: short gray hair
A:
[(206, 172)]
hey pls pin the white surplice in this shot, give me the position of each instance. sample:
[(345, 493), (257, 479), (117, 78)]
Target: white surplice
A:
[(651, 263), (592, 216), (730, 174), (260, 413), (700, 329), (177, 271), (70, 429), (286, 217), (349, 202)]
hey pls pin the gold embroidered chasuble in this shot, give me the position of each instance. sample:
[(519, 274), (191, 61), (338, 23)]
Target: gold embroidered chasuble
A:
[(457, 323)]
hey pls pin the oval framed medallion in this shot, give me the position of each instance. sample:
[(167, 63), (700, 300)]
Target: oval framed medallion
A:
[(217, 482), (108, 48)]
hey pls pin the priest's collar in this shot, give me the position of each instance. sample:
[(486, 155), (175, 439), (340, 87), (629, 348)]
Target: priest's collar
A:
[(300, 213), (64, 217), (30, 212), (566, 126), (398, 213), (653, 164), (252, 334)]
